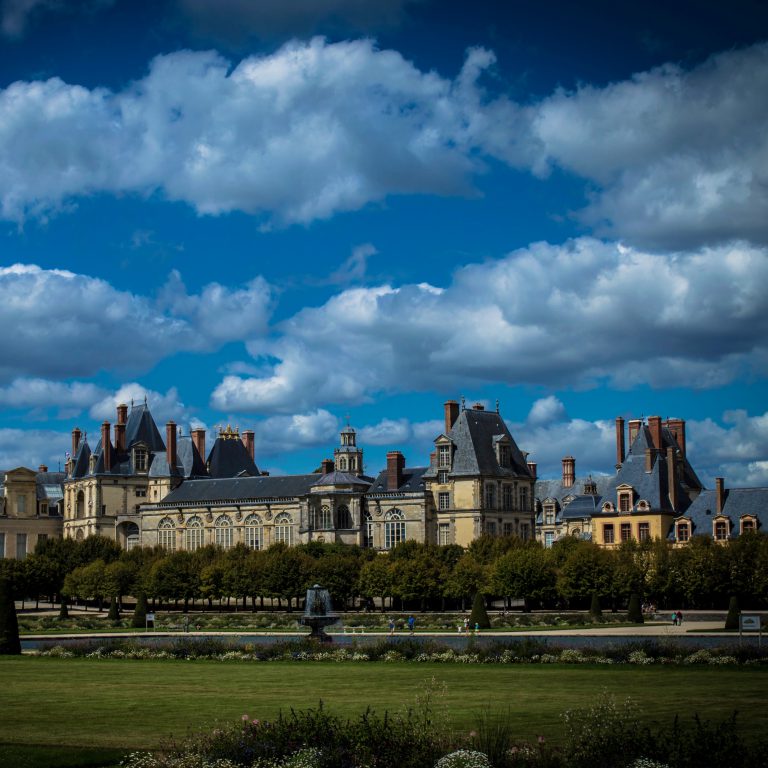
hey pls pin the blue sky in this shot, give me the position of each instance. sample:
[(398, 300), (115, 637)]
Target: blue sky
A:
[(281, 215)]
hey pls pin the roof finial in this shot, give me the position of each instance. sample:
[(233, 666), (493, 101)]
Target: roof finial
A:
[(346, 416), (131, 403), (462, 403), (497, 405), (145, 398)]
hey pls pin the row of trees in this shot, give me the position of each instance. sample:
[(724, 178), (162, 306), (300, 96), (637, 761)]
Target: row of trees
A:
[(701, 575)]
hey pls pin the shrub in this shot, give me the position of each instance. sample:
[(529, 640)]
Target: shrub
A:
[(635, 612), (479, 616), (595, 611), (464, 758), (139, 620), (9, 624), (114, 611), (732, 619)]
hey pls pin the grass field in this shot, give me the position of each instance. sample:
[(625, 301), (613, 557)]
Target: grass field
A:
[(67, 712)]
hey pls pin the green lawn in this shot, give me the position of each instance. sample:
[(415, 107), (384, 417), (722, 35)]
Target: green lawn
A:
[(93, 705)]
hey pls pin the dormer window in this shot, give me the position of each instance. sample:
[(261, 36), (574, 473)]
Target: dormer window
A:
[(683, 532), (748, 524), (549, 513), (504, 456), (140, 459), (625, 501), (444, 456), (720, 530)]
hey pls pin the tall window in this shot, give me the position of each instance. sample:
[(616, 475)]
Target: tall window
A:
[(368, 530), (342, 463), (608, 533), (325, 521), (194, 534), (525, 531), (490, 496), (343, 517), (625, 501), (284, 528), (442, 476), (549, 514), (443, 500), (444, 456), (683, 532), (504, 455), (644, 531), (131, 536), (549, 537), (507, 497), (166, 534), (508, 529), (253, 532), (721, 530), (444, 534), (747, 524), (626, 531), (490, 528), (524, 498), (21, 506), (21, 546), (140, 460), (394, 528), (223, 532)]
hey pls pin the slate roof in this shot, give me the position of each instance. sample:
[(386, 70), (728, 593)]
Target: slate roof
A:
[(82, 459), (141, 428), (413, 481), (239, 489), (189, 463), (341, 478), (230, 458), (48, 485), (738, 502), (474, 436)]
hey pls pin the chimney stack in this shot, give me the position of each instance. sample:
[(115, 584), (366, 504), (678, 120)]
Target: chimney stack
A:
[(635, 426), (119, 438), (326, 466), (532, 468), (619, 441), (42, 468), (76, 434), (569, 471), (249, 441), (395, 467), (451, 414), (677, 428), (478, 407), (649, 460), (720, 494), (106, 446), (122, 413), (672, 477), (170, 444), (654, 424), (198, 440)]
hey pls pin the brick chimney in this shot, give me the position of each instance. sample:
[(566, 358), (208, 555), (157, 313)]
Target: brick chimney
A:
[(635, 425), (720, 494), (198, 440), (106, 446), (395, 467), (122, 413), (42, 468), (170, 443), (478, 407), (326, 466), (119, 438), (649, 460), (677, 428), (620, 455), (249, 442), (76, 435), (654, 425), (451, 414), (672, 477), (569, 471), (532, 468)]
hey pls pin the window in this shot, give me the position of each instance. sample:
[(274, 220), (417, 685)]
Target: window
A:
[(524, 498), (490, 496), (368, 531), (525, 531), (284, 528), (508, 529), (490, 528), (103, 509), (444, 456), (394, 528), (194, 534), (507, 497), (253, 532), (721, 530), (324, 520), (141, 491), (747, 524), (626, 531), (549, 537), (166, 534), (442, 476), (443, 500), (21, 546), (53, 511), (79, 536), (140, 460), (683, 532), (343, 517), (80, 504), (21, 506), (132, 536), (504, 455), (549, 514), (2, 545), (644, 531), (223, 526), (625, 502), (444, 534), (342, 463), (608, 533)]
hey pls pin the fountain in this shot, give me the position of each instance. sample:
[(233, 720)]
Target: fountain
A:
[(318, 614)]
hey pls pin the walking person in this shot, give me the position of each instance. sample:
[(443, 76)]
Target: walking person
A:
[(679, 618), (411, 623), (674, 618), (391, 626)]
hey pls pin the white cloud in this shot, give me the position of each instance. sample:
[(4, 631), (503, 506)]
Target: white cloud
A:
[(67, 324), (577, 314), (32, 447), (545, 411), (43, 393), (294, 432), (164, 407), (354, 268)]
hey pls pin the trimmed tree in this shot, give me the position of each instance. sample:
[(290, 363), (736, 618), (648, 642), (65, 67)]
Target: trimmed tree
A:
[(595, 611), (114, 612), (139, 620), (635, 612), (479, 616), (63, 610), (732, 619), (9, 625)]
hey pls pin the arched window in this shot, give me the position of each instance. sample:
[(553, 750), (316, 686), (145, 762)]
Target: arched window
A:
[(394, 528), (79, 536), (166, 534), (223, 532), (343, 518), (80, 504), (194, 534), (284, 528), (325, 520), (342, 463), (253, 532), (131, 536), (368, 530)]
